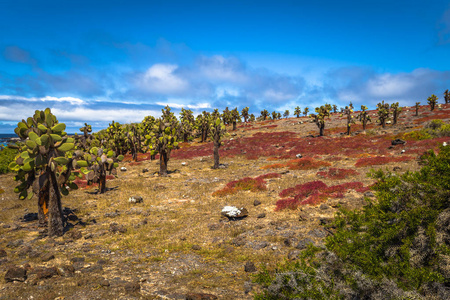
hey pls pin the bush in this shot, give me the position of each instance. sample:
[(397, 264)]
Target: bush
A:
[(246, 184), (397, 248), (7, 155)]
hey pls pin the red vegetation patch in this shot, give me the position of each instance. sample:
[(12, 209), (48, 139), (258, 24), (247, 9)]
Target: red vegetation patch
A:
[(315, 192), (246, 184), (299, 164), (335, 173), (380, 160)]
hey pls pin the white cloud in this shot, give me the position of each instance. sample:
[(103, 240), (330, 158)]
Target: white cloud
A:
[(106, 115), (190, 106), (219, 68), (71, 100), (389, 85), (160, 78)]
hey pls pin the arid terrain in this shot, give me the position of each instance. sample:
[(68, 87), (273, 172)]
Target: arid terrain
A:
[(176, 244)]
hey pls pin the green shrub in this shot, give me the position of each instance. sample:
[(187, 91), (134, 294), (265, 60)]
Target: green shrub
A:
[(7, 155), (396, 248)]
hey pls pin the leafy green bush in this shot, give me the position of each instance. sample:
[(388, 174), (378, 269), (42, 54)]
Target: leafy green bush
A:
[(6, 156), (397, 248)]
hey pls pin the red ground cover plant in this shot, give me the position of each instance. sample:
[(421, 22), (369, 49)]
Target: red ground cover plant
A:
[(335, 173), (315, 192), (380, 160), (246, 184)]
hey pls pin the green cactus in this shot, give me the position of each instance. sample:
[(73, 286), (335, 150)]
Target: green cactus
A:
[(286, 113), (202, 125), (234, 117), (396, 110), (46, 163), (364, 116), (432, 101), (348, 112), (244, 114), (133, 139), (274, 115), (305, 112), (447, 97), (264, 114), (226, 116), (252, 118), (334, 108), (116, 138), (96, 163), (383, 113), (319, 117), (187, 124), (216, 131), (164, 139), (297, 111), (417, 108)]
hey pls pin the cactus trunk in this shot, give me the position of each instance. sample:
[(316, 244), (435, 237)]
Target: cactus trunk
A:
[(348, 129), (102, 183), (163, 163), (321, 128), (55, 217), (43, 206), (234, 125)]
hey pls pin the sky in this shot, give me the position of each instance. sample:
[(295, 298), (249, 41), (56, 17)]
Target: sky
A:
[(98, 61)]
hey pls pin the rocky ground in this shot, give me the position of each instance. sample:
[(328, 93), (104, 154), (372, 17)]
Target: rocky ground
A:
[(175, 243)]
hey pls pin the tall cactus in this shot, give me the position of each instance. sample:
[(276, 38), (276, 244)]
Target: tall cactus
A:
[(216, 131), (319, 117), (186, 124), (164, 139), (45, 163), (235, 117), (334, 108), (417, 108), (264, 114), (383, 113), (348, 112), (274, 115), (202, 125), (97, 163), (117, 138), (396, 111), (305, 111), (252, 118), (244, 113), (432, 101), (226, 116), (297, 112), (364, 116), (133, 139), (447, 97)]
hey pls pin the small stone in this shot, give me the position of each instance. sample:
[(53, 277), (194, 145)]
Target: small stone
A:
[(298, 155), (403, 151), (47, 257), (3, 253), (144, 170), (199, 296), (213, 227), (123, 169), (16, 274), (249, 267), (232, 212), (77, 259), (239, 241), (184, 163), (323, 206), (247, 287), (135, 199), (261, 215), (303, 244), (65, 271), (261, 245), (397, 169), (114, 228), (196, 247), (316, 232), (256, 202), (369, 194), (444, 144), (46, 273), (293, 255), (398, 142), (74, 234), (132, 287)]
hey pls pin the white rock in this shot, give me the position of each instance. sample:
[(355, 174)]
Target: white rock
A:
[(135, 199), (183, 163), (123, 169), (234, 212), (444, 144), (298, 155), (403, 151)]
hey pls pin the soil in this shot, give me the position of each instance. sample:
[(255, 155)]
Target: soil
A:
[(175, 243)]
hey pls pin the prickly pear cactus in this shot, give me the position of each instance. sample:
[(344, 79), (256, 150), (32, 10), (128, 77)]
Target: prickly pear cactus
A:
[(348, 112), (244, 113), (164, 139), (432, 101), (45, 163), (216, 132), (383, 113), (134, 135), (187, 124), (364, 116), (396, 111), (96, 163), (297, 112), (319, 117), (235, 117), (264, 114), (417, 108), (116, 138), (447, 97), (202, 125)]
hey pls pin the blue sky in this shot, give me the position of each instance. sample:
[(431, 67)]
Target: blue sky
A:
[(98, 61)]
